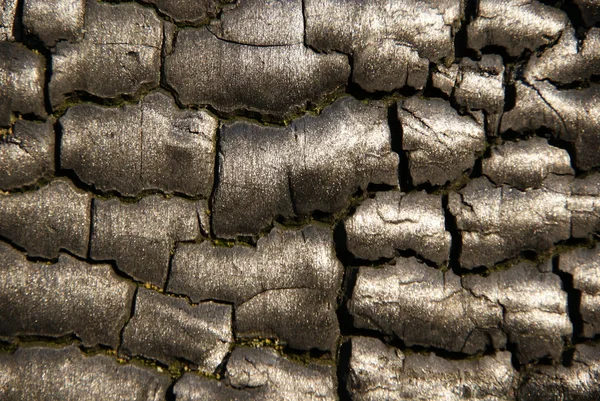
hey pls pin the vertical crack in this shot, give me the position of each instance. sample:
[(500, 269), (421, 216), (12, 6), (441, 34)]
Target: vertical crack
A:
[(342, 370), (396, 133), (451, 226), (122, 332), (461, 48), (89, 249), (216, 174), (170, 265), (304, 24), (573, 309)]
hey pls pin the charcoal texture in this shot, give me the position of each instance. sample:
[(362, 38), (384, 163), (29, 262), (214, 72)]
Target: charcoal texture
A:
[(286, 287), (118, 55), (261, 374), (571, 114), (272, 80), (582, 265), (167, 329), (40, 373), (54, 20), (300, 200), (140, 236), (377, 371), (54, 217), (27, 154), (515, 25), (440, 143), (67, 297), (315, 164), (394, 221), (22, 78), (149, 146)]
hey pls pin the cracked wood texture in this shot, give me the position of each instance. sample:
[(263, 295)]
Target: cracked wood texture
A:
[(300, 200)]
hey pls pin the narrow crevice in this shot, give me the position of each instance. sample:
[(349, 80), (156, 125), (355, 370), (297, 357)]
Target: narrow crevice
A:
[(430, 91), (34, 43), (456, 238), (396, 131), (47, 77), (18, 29), (312, 354), (170, 265), (170, 394), (91, 233), (343, 370), (477, 170), (60, 341), (221, 369), (514, 358), (573, 304), (304, 25), (356, 91), (21, 249), (82, 97), (42, 182), (72, 176), (510, 95), (122, 332), (345, 320), (216, 180), (397, 343), (461, 47)]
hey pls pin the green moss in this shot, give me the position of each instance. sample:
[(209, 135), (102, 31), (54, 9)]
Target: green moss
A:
[(259, 342)]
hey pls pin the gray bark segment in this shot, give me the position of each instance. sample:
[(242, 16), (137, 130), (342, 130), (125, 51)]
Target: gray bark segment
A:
[(578, 382), (262, 23), (189, 11), (261, 375), (440, 144), (54, 20), (394, 221), (569, 60), (570, 113), (120, 54), (47, 374), (152, 145), (65, 298), (477, 85), (27, 154), (493, 226), (286, 287), (584, 206), (140, 236), (537, 325), (8, 14), (54, 217), (303, 318), (515, 25), (22, 77), (583, 264), (315, 164), (272, 80), (391, 43), (170, 329), (526, 164), (378, 372), (425, 306)]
